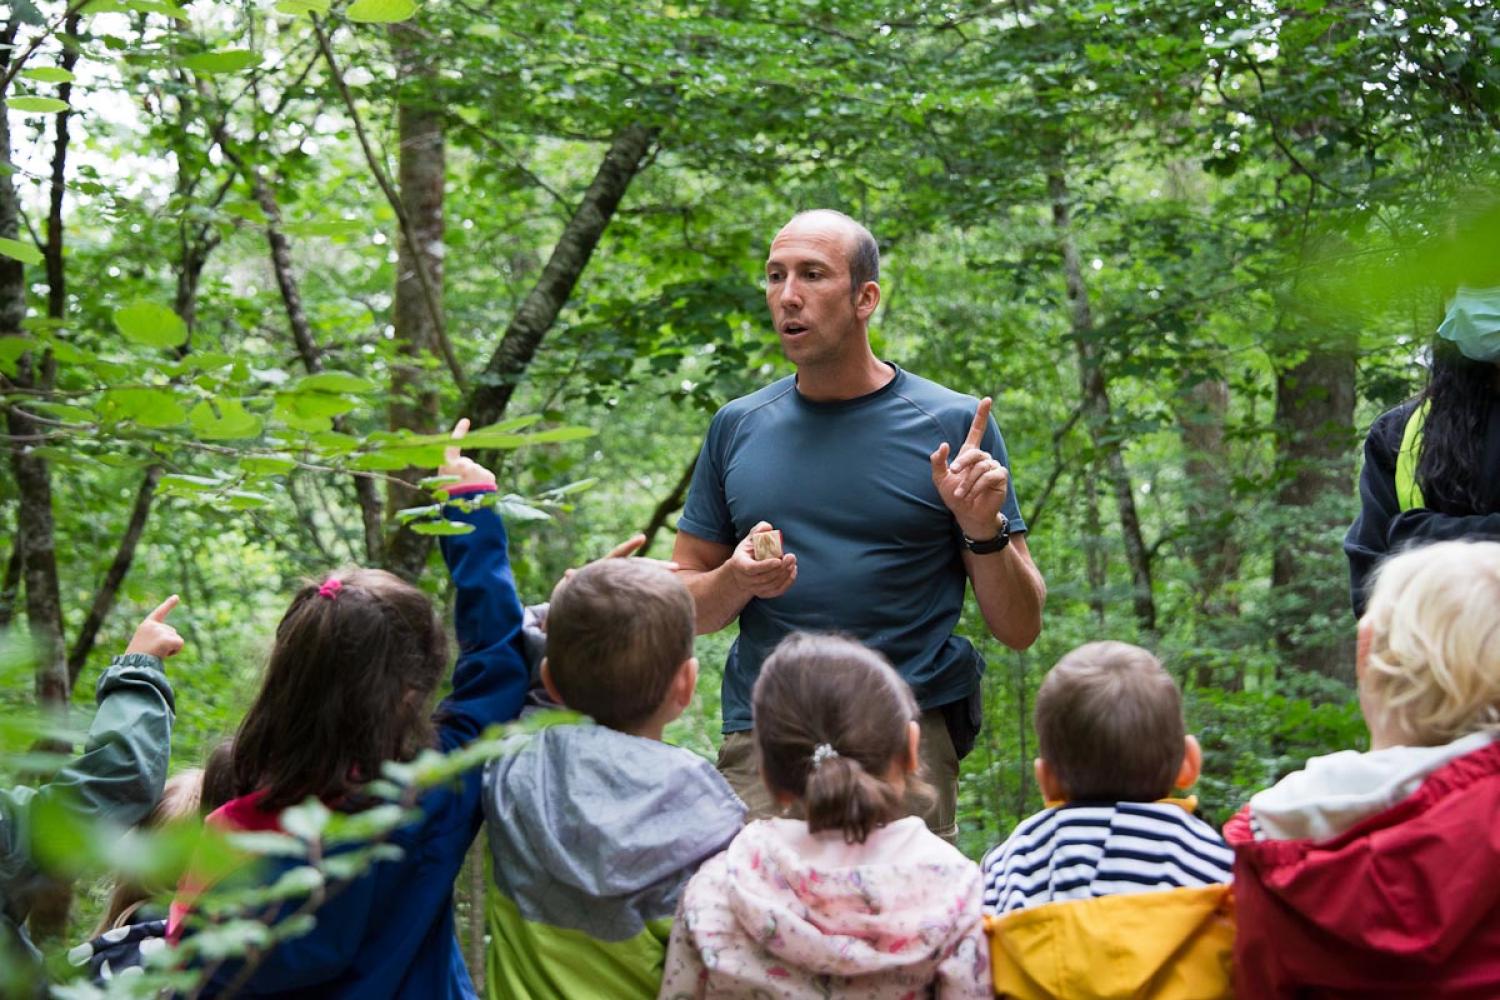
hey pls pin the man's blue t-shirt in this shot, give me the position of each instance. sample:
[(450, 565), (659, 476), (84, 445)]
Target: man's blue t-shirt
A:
[(849, 485)]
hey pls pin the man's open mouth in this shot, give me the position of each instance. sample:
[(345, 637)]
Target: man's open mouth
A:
[(793, 329)]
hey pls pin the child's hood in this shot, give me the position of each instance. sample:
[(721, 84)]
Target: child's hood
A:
[(1336, 791), (900, 900), (583, 819), (1412, 880), (1176, 942)]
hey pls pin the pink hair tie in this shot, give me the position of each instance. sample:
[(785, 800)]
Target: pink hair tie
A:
[(331, 587)]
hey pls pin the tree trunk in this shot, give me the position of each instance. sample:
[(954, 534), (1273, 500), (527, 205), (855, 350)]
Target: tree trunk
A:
[(1096, 404), (57, 289), (624, 159), (418, 319), (1315, 466), (1201, 410), (34, 530)]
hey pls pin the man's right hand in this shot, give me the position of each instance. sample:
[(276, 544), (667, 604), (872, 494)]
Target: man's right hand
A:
[(154, 636), (763, 578)]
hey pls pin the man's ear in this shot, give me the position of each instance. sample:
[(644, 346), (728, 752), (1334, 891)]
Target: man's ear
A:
[(1192, 763), (548, 683), (866, 300), (1048, 781)]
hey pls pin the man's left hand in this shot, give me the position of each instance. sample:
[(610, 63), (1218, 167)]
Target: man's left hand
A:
[(975, 485)]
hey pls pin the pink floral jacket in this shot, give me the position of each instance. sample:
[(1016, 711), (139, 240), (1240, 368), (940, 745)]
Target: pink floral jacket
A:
[(786, 913)]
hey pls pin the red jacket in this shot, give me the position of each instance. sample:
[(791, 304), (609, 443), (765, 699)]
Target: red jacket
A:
[(1404, 904)]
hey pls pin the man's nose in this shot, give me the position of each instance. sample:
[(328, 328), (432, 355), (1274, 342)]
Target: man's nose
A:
[(791, 292)]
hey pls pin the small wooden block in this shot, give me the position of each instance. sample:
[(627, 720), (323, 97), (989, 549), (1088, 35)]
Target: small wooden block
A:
[(767, 544)]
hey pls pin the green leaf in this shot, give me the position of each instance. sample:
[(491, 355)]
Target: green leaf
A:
[(335, 382), (380, 11), (162, 7), (268, 843), (224, 61), (299, 7), (295, 407), (151, 325), (268, 465), (146, 406), (513, 508), (228, 420), (441, 527), (245, 500), (176, 484), (410, 514), (23, 252), (36, 105), (64, 411), (11, 349), (48, 74), (306, 820)]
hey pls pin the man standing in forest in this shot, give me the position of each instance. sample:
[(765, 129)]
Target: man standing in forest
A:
[(849, 460)]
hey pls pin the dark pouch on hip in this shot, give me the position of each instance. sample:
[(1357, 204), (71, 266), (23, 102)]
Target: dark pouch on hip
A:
[(965, 717)]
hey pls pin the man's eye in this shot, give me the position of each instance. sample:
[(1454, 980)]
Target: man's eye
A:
[(773, 277)]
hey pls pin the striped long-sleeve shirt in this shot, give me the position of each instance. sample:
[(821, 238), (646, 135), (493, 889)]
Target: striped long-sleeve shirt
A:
[(1078, 851)]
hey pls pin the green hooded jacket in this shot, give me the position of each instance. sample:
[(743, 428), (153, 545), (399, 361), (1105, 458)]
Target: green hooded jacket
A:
[(115, 782)]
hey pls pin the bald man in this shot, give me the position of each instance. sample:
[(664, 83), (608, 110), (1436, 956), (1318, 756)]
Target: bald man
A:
[(890, 492)]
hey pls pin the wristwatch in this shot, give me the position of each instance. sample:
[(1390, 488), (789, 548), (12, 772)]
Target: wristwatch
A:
[(984, 546)]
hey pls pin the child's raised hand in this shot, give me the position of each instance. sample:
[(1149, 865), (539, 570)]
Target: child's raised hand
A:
[(154, 636), (468, 471)]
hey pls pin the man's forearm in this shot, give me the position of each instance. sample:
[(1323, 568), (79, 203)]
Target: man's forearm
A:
[(1010, 592), (716, 600)]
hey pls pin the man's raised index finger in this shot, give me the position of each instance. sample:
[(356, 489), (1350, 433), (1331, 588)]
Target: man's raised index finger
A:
[(976, 429), (459, 430), (163, 609)]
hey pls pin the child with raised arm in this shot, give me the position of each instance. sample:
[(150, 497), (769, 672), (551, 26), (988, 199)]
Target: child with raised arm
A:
[(354, 665), (595, 827), (116, 781), (1115, 889), (856, 900), (1374, 874)]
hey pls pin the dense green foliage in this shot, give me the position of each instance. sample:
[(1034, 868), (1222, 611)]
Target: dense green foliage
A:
[(1191, 248)]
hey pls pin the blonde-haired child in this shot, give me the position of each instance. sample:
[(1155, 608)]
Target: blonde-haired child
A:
[(1373, 874)]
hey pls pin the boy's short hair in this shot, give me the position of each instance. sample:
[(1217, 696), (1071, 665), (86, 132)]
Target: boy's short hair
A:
[(617, 632), (1434, 659), (1109, 724)]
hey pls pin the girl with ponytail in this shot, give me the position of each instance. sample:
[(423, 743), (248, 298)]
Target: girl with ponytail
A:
[(856, 898)]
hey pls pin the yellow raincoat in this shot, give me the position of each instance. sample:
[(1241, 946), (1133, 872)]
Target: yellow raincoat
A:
[(1175, 944)]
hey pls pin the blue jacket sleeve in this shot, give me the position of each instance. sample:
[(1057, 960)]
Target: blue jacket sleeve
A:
[(318, 957), (490, 680)]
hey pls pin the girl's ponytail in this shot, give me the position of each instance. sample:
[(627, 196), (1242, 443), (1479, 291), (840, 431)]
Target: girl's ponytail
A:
[(842, 795), (831, 721)]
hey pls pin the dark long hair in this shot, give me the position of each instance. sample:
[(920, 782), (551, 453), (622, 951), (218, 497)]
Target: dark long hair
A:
[(347, 687), (827, 689), (1450, 464)]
